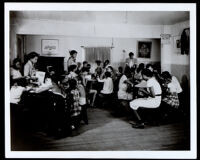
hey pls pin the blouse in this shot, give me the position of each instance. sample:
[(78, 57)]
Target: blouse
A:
[(107, 86)]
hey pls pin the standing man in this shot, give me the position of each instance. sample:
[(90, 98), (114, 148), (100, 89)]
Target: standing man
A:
[(72, 58), (131, 62)]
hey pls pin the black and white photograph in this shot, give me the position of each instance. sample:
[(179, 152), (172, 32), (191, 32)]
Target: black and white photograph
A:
[(100, 81)]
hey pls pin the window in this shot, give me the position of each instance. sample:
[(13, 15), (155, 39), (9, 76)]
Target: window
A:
[(97, 53)]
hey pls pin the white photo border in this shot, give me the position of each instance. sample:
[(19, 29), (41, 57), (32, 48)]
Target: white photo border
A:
[(191, 7)]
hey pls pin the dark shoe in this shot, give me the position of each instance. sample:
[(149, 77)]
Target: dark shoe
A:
[(138, 125), (132, 122)]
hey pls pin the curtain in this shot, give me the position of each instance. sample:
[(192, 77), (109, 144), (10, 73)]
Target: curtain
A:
[(97, 53)]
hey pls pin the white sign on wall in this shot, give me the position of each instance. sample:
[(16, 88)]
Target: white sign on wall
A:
[(50, 46), (165, 38)]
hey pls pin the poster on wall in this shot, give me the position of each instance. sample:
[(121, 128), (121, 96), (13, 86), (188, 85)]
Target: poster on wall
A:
[(50, 46), (144, 49)]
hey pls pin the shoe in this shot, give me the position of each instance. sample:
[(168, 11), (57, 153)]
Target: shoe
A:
[(138, 125), (132, 122)]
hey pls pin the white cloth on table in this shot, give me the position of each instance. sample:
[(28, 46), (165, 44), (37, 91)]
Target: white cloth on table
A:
[(149, 102), (107, 86), (122, 94)]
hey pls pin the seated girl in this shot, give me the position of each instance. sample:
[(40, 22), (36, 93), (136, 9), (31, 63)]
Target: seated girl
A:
[(29, 67), (107, 86), (15, 70), (152, 101), (170, 96), (138, 73), (98, 70), (111, 70), (123, 94), (18, 86), (123, 85), (82, 100)]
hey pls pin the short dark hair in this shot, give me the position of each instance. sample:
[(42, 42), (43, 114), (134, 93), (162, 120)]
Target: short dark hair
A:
[(72, 52), (71, 67), (85, 62), (107, 61), (32, 55), (72, 83), (131, 54), (141, 65), (166, 75), (98, 62), (147, 73), (149, 65), (79, 78), (111, 68), (120, 68), (15, 61), (107, 74), (84, 69)]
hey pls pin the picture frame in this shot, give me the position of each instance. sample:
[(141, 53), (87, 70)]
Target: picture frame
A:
[(50, 46), (144, 49), (177, 44)]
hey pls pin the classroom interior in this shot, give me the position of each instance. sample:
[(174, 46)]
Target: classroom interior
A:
[(116, 33)]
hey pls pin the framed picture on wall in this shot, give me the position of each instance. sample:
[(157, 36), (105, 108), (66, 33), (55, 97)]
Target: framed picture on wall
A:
[(50, 46), (144, 49), (177, 44)]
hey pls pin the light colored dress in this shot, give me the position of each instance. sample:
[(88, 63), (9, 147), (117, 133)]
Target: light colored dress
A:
[(71, 61), (149, 102), (122, 93), (15, 73), (29, 69), (15, 94)]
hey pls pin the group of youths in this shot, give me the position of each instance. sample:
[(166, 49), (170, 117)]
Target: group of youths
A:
[(122, 83)]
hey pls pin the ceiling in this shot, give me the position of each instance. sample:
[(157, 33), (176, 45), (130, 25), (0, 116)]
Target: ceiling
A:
[(113, 17)]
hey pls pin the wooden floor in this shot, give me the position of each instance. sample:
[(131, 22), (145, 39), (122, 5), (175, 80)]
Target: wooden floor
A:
[(106, 132)]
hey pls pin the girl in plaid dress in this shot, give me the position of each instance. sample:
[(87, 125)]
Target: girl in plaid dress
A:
[(73, 101), (171, 96), (170, 107)]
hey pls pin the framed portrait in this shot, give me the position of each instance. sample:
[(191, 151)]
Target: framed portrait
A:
[(50, 46), (144, 49), (177, 44)]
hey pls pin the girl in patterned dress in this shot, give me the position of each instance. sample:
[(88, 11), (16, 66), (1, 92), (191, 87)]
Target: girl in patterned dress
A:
[(170, 97), (73, 102)]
